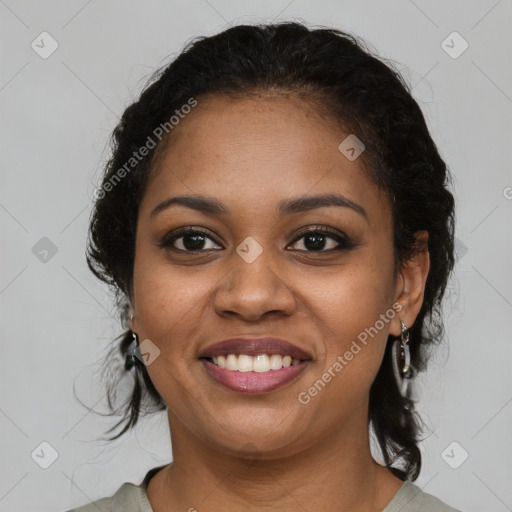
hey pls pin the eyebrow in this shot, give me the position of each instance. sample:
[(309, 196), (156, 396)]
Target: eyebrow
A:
[(288, 207)]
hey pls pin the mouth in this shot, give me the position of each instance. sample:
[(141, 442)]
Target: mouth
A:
[(254, 365)]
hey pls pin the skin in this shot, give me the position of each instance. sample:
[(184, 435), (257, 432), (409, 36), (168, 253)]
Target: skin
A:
[(233, 451)]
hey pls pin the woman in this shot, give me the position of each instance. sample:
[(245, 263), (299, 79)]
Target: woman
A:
[(276, 222)]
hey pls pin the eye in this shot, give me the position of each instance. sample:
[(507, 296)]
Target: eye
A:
[(317, 239), (320, 239), (188, 240)]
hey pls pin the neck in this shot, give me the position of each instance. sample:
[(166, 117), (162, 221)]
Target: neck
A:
[(338, 474)]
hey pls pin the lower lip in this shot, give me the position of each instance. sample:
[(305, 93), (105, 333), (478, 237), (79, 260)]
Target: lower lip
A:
[(254, 382)]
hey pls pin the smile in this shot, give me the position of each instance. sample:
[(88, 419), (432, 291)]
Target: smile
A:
[(254, 365), (261, 363), (253, 381)]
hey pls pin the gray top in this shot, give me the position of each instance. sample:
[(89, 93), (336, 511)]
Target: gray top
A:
[(133, 498)]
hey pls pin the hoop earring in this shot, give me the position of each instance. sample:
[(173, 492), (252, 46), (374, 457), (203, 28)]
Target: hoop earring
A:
[(131, 359), (401, 358)]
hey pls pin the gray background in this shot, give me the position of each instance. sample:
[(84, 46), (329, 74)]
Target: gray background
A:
[(57, 320)]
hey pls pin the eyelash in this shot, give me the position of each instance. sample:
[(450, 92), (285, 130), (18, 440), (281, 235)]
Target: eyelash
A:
[(344, 242)]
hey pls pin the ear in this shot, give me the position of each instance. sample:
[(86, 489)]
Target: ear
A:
[(410, 284)]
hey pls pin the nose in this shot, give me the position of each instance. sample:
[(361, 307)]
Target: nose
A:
[(253, 290)]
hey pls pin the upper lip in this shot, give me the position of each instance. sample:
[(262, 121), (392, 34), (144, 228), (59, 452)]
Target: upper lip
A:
[(255, 346)]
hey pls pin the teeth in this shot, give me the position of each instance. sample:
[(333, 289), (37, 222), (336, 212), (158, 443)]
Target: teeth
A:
[(276, 362), (261, 363), (245, 363), (231, 362)]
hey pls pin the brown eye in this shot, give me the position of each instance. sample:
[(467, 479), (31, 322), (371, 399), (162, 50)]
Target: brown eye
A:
[(318, 239), (188, 240), (323, 240)]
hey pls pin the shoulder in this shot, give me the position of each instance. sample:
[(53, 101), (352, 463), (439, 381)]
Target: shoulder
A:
[(410, 498), (128, 498)]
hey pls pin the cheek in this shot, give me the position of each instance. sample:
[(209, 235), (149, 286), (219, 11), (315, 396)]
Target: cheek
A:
[(169, 303), (352, 299), (355, 307), (169, 308)]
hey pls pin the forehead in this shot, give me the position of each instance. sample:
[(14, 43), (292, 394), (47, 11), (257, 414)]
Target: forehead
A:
[(260, 150)]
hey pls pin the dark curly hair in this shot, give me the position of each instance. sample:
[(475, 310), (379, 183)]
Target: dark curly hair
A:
[(355, 89)]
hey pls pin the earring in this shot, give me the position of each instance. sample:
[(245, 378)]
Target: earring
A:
[(401, 358), (130, 360)]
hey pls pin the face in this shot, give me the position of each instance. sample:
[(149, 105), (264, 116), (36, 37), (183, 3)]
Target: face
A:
[(313, 274)]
